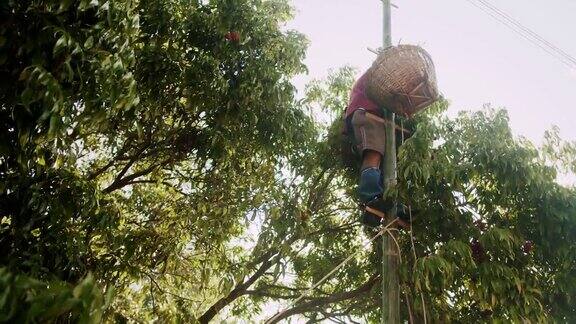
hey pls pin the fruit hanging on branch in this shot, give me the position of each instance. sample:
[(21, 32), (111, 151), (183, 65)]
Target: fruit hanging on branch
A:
[(527, 247), (478, 252), (232, 36), (480, 225)]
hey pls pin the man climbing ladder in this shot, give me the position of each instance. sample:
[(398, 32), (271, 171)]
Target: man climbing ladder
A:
[(402, 79), (366, 129)]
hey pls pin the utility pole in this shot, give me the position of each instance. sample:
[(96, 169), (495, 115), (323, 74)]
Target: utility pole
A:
[(390, 288)]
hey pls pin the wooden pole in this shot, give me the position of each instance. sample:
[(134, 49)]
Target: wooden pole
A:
[(390, 287)]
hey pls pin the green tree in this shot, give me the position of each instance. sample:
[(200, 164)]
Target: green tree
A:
[(156, 166), (492, 227), (135, 137)]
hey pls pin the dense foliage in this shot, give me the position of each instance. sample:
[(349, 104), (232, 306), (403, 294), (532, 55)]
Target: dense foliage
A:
[(155, 165), (135, 135)]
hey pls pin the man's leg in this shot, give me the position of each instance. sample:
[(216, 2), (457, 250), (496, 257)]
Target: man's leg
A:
[(371, 159), (369, 132), (371, 189), (370, 185)]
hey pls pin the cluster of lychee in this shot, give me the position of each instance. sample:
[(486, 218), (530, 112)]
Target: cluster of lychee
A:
[(478, 252), (232, 36)]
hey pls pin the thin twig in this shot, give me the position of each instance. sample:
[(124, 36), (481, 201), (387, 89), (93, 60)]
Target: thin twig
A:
[(319, 282)]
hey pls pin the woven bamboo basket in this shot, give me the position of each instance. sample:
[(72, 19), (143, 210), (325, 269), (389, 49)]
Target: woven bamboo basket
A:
[(403, 79)]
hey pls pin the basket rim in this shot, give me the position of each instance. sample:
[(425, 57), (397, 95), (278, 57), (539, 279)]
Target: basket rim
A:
[(417, 95)]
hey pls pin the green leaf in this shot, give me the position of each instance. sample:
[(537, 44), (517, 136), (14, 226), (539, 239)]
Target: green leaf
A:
[(61, 44), (54, 125), (89, 42)]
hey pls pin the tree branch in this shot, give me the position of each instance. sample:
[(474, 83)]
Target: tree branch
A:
[(95, 174), (318, 302), (121, 182), (238, 291), (262, 293), (118, 157)]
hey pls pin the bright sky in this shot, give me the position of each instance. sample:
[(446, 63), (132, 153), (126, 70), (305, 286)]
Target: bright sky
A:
[(478, 60)]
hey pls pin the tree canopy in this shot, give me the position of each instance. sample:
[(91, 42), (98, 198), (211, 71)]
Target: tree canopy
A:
[(157, 165)]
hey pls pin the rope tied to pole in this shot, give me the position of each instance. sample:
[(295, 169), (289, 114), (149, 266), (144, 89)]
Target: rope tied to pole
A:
[(383, 230)]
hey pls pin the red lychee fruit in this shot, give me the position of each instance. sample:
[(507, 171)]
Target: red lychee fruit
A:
[(480, 225), (232, 36), (527, 247), (478, 252)]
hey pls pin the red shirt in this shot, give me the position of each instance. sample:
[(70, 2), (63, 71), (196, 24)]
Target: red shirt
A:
[(359, 99)]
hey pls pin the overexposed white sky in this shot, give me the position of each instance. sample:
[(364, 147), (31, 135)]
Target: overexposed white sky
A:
[(478, 60)]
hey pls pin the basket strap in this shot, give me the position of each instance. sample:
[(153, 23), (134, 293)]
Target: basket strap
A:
[(425, 103), (416, 96), (418, 87), (388, 122)]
